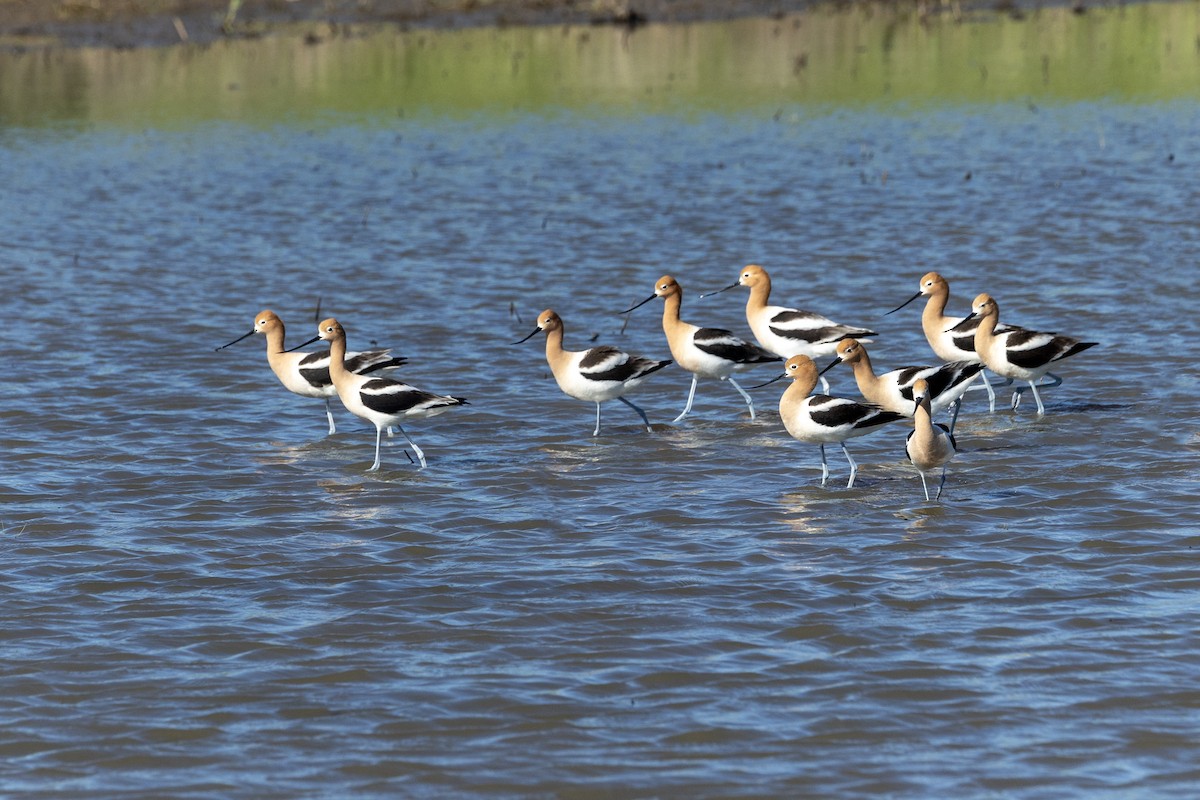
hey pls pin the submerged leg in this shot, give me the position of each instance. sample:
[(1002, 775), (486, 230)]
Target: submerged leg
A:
[(957, 406), (938, 496), (641, 413), (329, 416), (691, 396), (824, 466), (378, 437), (987, 384), (853, 466), (413, 445), (597, 431), (924, 485), (1037, 399), (746, 397), (1054, 381)]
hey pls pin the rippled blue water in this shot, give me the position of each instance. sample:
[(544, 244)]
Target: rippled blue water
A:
[(205, 596)]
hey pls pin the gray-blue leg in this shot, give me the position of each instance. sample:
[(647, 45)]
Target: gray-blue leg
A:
[(413, 445), (691, 396), (641, 413), (746, 397), (1016, 398), (378, 438), (329, 415), (1037, 398), (597, 431), (824, 467), (991, 392), (853, 466)]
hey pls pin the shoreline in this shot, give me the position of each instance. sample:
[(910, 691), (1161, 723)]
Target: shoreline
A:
[(123, 24), (35, 25)]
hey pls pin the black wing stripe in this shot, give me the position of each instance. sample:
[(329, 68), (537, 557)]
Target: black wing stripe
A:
[(812, 335), (857, 415)]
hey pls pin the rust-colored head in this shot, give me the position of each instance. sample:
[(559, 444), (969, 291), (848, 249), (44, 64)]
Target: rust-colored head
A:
[(330, 330)]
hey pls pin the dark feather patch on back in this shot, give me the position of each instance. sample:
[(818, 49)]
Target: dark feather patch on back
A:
[(723, 344), (1020, 338), (859, 415), (314, 357), (598, 356), (1035, 357), (371, 361), (964, 342), (616, 365), (811, 335), (393, 397), (316, 377), (943, 379)]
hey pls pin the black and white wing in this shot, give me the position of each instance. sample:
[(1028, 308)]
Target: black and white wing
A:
[(371, 361), (941, 379), (1030, 349), (314, 368), (839, 413), (607, 363), (399, 399), (964, 337), (812, 328), (724, 345)]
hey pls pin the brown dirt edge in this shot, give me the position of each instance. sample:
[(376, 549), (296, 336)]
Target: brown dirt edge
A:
[(38, 24), (155, 23)]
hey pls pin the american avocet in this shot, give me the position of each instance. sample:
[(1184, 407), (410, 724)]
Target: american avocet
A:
[(928, 446), (947, 343), (821, 419), (1018, 354), (894, 390), (381, 401), (307, 374), (704, 352), (596, 374), (784, 331)]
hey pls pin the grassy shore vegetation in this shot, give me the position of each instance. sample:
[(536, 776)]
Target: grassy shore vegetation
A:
[(829, 55)]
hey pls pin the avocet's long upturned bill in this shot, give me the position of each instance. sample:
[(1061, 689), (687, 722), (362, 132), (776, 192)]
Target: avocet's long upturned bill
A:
[(307, 374), (893, 390), (784, 331), (596, 374), (821, 419), (947, 343), (1019, 354), (928, 446), (381, 401), (704, 352)]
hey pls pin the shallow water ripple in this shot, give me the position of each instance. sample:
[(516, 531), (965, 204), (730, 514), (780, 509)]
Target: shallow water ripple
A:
[(206, 596)]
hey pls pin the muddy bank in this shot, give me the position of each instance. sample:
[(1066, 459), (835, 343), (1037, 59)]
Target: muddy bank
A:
[(149, 23)]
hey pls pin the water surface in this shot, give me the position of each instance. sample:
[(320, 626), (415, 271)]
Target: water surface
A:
[(207, 597)]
